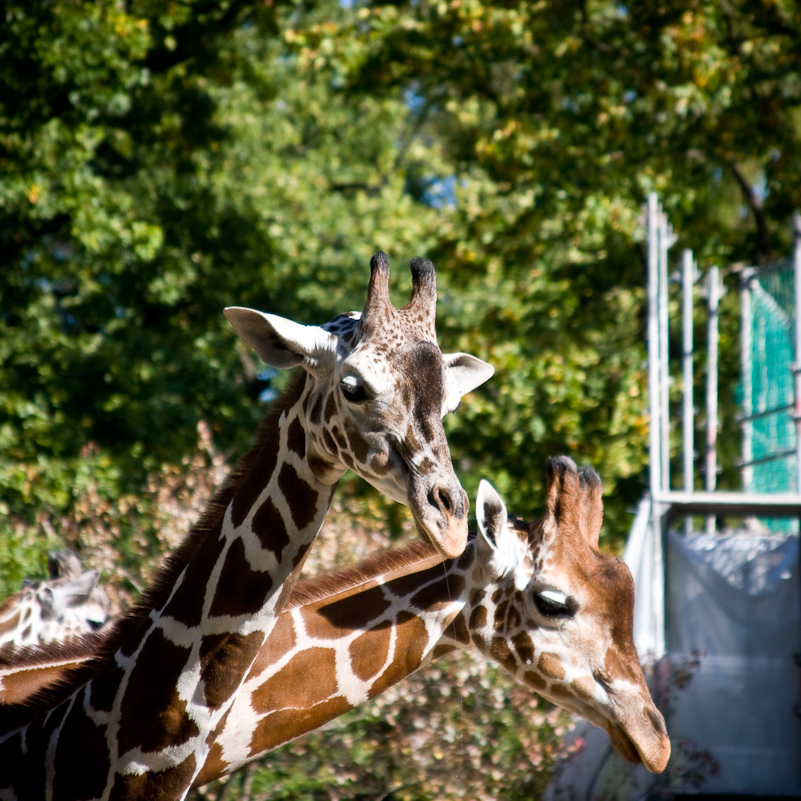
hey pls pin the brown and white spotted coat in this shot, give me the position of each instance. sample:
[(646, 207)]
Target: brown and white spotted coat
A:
[(370, 398), (539, 598), (536, 597), (64, 606)]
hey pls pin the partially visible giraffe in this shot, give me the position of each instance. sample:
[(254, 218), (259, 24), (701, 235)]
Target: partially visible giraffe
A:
[(370, 397), (539, 598), (64, 606)]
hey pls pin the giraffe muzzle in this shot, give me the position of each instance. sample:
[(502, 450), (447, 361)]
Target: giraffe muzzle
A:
[(441, 517), (644, 739)]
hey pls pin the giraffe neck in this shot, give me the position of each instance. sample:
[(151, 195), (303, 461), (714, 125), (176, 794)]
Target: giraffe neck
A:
[(173, 668), (357, 635)]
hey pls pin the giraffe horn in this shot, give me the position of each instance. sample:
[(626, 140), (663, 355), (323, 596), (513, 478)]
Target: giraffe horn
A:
[(378, 304), (423, 303), (562, 495), (591, 515)]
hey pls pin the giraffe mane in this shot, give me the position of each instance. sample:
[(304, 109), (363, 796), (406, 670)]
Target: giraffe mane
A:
[(75, 649), (350, 578), (99, 647)]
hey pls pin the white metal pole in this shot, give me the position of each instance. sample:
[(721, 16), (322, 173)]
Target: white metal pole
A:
[(688, 410), (797, 365), (665, 241), (653, 344), (713, 298)]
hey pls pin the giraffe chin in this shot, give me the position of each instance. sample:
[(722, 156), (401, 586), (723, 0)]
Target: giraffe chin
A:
[(655, 759)]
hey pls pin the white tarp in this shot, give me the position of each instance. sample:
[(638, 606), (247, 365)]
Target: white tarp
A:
[(734, 602), (643, 555), (726, 611)]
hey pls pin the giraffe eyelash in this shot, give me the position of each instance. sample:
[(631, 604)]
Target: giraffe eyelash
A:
[(353, 390), (552, 604)]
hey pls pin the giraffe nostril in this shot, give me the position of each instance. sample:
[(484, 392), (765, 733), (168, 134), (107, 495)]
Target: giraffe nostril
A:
[(442, 498)]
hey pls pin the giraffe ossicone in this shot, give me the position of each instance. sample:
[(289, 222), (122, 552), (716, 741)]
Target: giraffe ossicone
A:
[(135, 721)]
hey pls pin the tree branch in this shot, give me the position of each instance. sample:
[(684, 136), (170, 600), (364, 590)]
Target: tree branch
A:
[(756, 206)]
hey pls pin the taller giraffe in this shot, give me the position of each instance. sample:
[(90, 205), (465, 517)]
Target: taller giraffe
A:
[(371, 397)]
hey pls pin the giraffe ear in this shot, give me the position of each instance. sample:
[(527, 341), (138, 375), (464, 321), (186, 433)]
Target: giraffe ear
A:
[(494, 543), (72, 593), (465, 373), (280, 342)]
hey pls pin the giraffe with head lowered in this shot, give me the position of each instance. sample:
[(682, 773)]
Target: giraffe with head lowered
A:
[(538, 597), (370, 397)]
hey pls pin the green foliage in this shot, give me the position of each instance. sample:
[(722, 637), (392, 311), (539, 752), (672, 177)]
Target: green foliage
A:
[(161, 161)]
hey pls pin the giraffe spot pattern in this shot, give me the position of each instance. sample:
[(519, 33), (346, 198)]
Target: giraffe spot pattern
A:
[(304, 498), (186, 604), (221, 658), (308, 679), (500, 651), (21, 764), (458, 631), (268, 525), (330, 444), (524, 647), (296, 437), (379, 464), (331, 407), (534, 680), (278, 727), (331, 620), (410, 644), (358, 445), (171, 782), (584, 687), (438, 594), (240, 590), (281, 641), (253, 482), (551, 666), (369, 652), (155, 705), (339, 437), (478, 618), (500, 616), (316, 412)]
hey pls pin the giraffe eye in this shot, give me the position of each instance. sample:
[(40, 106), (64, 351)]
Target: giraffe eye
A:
[(353, 389), (552, 604)]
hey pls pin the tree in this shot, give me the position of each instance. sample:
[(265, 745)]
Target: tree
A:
[(554, 121)]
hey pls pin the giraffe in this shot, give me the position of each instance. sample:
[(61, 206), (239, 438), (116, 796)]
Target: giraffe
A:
[(370, 397), (538, 598), (66, 605)]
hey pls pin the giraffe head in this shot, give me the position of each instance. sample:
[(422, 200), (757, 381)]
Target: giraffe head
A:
[(557, 613), (376, 390)]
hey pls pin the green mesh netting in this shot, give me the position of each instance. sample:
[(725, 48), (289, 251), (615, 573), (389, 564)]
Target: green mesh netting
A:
[(771, 359)]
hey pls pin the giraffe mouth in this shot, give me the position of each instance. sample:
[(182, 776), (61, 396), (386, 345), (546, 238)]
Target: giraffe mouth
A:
[(651, 748)]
